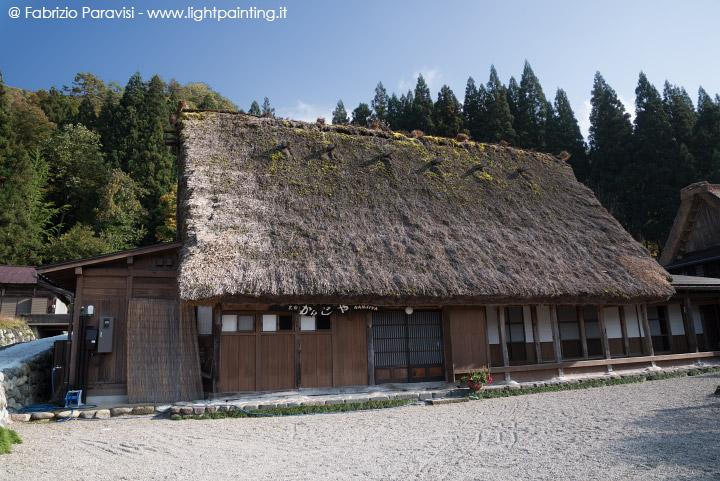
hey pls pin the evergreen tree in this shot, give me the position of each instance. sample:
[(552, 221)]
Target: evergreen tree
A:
[(513, 100), (60, 109), (86, 114), (532, 111), (129, 123), (422, 108), (255, 109), (472, 110), (657, 172), (394, 114), (407, 111), (267, 111), (498, 119), (447, 114), (563, 133), (680, 110), (108, 126), (610, 145), (380, 103), (362, 115), (706, 134), (19, 237), (340, 114)]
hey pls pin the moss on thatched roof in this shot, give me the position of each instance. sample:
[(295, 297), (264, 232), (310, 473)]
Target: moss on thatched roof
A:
[(276, 209)]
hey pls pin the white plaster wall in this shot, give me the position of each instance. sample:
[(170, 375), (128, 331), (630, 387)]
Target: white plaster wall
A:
[(676, 323), (544, 324), (612, 322), (492, 324), (527, 320), (697, 319), (634, 328)]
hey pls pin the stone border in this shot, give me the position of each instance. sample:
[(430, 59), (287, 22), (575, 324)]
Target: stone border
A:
[(178, 411)]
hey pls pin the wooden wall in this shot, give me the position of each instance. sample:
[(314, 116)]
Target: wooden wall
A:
[(109, 287), (468, 339), (267, 361)]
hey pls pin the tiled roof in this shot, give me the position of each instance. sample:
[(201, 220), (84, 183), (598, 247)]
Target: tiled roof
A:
[(17, 275)]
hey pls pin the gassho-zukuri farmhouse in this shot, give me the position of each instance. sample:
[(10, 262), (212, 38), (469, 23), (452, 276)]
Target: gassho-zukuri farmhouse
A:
[(312, 255)]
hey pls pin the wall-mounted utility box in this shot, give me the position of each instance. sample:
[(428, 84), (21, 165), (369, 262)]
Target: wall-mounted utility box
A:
[(105, 336)]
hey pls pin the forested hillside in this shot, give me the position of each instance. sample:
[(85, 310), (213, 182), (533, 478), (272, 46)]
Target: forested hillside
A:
[(84, 169)]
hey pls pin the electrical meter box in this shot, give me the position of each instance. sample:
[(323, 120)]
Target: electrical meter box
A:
[(105, 334)]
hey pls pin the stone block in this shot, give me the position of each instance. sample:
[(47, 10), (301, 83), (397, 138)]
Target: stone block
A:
[(265, 406), (439, 394), (63, 414), (42, 415), (223, 409), (186, 410), (175, 410), (424, 396), (120, 411), (293, 404), (313, 402), (381, 398), (211, 409), (199, 410), (357, 400), (143, 410), (89, 414), (21, 418), (102, 414), (407, 395), (330, 402)]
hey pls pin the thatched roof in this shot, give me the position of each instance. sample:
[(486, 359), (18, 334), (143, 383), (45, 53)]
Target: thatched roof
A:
[(278, 210), (696, 227)]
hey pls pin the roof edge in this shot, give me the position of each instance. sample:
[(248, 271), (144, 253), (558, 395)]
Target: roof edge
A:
[(106, 257)]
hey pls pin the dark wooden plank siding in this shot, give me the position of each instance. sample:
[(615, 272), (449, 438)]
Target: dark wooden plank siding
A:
[(277, 361), (351, 338), (155, 288), (237, 363), (111, 369), (468, 338), (316, 362)]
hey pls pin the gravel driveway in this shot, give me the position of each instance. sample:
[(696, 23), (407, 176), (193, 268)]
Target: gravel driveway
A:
[(653, 430)]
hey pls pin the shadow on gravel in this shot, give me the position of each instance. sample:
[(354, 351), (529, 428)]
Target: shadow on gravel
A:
[(684, 437)]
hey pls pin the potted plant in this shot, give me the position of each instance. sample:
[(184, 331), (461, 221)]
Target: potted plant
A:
[(476, 379)]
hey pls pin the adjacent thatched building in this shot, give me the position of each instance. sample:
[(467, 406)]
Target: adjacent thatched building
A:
[(319, 255)]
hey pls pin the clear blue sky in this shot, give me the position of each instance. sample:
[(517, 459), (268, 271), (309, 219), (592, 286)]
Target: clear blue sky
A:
[(329, 50)]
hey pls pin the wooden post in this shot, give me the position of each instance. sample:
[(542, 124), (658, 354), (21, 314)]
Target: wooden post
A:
[(623, 327), (583, 336), (668, 324), (75, 341), (217, 333), (503, 339), (536, 334), (370, 349), (689, 322), (603, 333), (647, 338), (334, 320), (556, 336), (488, 356), (447, 346)]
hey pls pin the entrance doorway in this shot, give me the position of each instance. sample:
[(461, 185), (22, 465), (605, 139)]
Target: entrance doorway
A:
[(408, 348)]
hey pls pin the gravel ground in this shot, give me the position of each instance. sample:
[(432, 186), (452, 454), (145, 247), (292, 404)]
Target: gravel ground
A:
[(666, 429)]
